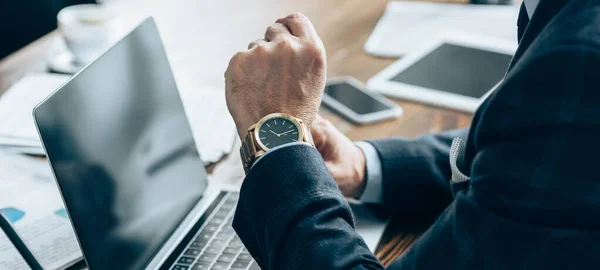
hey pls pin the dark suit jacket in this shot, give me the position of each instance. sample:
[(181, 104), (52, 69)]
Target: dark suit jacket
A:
[(533, 201)]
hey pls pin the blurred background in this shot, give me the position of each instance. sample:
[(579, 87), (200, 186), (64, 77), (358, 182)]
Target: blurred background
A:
[(22, 22)]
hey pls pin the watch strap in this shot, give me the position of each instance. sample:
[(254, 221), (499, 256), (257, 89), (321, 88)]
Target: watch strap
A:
[(248, 152)]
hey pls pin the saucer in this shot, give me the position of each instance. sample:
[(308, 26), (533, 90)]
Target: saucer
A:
[(64, 63)]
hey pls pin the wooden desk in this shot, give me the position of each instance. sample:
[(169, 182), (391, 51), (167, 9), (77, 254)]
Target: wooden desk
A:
[(201, 36)]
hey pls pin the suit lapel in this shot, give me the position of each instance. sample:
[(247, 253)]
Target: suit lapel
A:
[(522, 22), (529, 29)]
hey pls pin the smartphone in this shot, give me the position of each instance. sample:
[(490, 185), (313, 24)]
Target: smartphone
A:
[(347, 97)]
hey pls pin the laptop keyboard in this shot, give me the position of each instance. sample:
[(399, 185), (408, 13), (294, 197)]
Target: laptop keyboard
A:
[(216, 246)]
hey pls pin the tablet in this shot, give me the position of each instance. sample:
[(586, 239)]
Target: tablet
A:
[(455, 71)]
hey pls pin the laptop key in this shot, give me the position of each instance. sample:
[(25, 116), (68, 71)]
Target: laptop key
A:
[(222, 213), (212, 250), (186, 260), (228, 229), (217, 243), (229, 205), (240, 264), (217, 220), (198, 244), (180, 267), (245, 256), (231, 250), (210, 228), (232, 200), (192, 252), (226, 258), (201, 266), (220, 266), (223, 236), (205, 236), (207, 258), (235, 243), (229, 222), (254, 266)]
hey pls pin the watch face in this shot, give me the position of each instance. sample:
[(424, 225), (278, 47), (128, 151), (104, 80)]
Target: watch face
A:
[(278, 131)]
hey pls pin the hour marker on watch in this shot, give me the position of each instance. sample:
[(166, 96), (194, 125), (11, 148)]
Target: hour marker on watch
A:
[(283, 122), (295, 133), (291, 126), (275, 120), (263, 138), (267, 144), (267, 125), (262, 130), (294, 140)]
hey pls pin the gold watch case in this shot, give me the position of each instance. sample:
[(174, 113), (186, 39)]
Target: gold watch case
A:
[(252, 147), (256, 127)]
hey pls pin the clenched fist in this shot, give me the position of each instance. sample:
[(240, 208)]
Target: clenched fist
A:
[(284, 72)]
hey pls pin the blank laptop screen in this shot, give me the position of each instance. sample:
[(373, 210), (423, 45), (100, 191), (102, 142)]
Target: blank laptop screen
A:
[(123, 153)]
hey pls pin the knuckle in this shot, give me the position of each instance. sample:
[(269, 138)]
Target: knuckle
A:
[(285, 44), (260, 49), (236, 59), (314, 52), (233, 67), (296, 15), (271, 29)]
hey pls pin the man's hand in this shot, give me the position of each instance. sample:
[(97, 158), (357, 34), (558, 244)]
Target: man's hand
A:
[(284, 72), (344, 160)]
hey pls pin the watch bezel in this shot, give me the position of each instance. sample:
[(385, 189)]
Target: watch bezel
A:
[(268, 117)]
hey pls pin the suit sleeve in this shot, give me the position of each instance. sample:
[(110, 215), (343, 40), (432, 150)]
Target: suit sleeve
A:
[(416, 172), (291, 215)]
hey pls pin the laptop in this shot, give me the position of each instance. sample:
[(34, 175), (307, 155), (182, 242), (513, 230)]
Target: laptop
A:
[(124, 158)]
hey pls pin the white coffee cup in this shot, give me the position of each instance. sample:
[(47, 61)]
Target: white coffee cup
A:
[(88, 30)]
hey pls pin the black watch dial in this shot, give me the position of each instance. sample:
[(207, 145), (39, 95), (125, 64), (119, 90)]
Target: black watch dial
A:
[(278, 131)]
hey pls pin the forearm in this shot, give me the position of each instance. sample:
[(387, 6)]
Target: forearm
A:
[(291, 215)]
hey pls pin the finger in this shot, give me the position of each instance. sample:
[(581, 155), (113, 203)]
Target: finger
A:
[(318, 136), (233, 63), (319, 130), (318, 117), (256, 43), (299, 26), (276, 31)]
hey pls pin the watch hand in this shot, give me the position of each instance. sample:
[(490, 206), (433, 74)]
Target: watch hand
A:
[(286, 132), (275, 133)]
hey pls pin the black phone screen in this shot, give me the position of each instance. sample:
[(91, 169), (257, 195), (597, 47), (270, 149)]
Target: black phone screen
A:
[(355, 99)]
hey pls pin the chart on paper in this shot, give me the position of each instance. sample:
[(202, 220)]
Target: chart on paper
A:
[(30, 200)]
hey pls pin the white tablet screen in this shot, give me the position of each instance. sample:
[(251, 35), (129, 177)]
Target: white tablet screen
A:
[(457, 69)]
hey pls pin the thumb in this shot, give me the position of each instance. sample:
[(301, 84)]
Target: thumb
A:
[(319, 131)]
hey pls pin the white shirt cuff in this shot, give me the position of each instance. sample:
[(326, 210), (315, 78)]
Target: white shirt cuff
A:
[(373, 192)]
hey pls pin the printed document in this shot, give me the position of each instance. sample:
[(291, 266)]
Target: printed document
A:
[(30, 200)]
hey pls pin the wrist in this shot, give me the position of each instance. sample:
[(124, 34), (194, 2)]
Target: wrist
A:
[(360, 172), (242, 132), (271, 131), (243, 127)]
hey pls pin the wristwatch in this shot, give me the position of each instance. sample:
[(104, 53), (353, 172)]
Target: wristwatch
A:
[(271, 131)]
